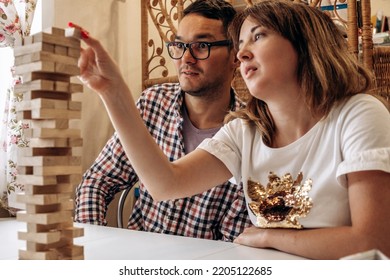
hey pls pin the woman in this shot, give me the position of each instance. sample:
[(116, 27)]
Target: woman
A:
[(312, 153)]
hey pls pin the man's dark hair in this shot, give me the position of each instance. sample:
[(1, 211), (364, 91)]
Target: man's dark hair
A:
[(213, 9)]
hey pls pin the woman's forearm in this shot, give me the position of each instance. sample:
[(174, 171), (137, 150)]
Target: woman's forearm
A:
[(148, 160)]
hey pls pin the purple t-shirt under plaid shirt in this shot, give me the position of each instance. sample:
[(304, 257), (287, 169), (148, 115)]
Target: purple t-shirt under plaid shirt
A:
[(219, 213)]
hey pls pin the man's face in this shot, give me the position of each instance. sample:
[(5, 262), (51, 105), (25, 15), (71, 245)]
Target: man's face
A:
[(200, 77)]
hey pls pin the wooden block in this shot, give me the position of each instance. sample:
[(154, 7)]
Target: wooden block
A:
[(74, 105), (29, 95), (46, 56), (42, 113), (49, 160), (41, 237), (75, 142), (37, 151), (42, 199), (56, 133), (61, 86), (49, 189), (33, 227), (55, 123), (74, 52), (32, 76), (73, 32), (72, 70), (44, 218), (64, 225), (28, 40), (39, 247), (73, 179), (54, 30), (48, 85), (43, 85), (75, 88), (37, 180), (39, 66), (67, 205), (50, 143), (61, 50), (27, 49), (23, 115), (56, 170), (56, 40), (49, 67), (25, 170), (45, 255), (43, 103), (68, 252), (72, 232), (80, 257)]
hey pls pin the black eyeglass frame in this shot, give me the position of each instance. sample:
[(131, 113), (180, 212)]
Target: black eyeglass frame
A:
[(189, 46)]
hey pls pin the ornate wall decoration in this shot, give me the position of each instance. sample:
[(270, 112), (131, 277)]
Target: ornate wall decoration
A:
[(159, 25)]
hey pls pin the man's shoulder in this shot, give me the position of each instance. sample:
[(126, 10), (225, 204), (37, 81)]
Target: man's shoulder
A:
[(165, 90), (160, 98)]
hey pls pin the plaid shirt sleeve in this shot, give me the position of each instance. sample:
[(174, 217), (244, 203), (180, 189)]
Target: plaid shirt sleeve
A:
[(236, 217), (109, 174)]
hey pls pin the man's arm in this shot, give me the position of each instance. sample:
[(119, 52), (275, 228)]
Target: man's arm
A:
[(236, 218), (109, 174)]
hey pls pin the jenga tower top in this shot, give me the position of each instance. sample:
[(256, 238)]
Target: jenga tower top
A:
[(49, 52)]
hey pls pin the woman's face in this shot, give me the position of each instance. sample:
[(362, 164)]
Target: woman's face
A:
[(268, 62)]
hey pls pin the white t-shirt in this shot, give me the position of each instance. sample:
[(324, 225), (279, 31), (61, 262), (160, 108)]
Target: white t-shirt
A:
[(354, 137)]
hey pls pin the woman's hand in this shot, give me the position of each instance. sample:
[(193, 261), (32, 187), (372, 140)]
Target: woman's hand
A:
[(253, 237), (97, 70)]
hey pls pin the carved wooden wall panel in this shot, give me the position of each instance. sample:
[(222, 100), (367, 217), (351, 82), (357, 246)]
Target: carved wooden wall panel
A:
[(160, 18), (159, 25)]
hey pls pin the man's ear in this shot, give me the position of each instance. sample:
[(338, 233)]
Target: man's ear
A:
[(234, 59), (236, 62)]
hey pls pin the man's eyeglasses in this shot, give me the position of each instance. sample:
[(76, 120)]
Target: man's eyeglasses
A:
[(199, 50)]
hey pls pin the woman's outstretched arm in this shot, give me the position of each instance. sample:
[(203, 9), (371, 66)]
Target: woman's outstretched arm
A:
[(164, 180)]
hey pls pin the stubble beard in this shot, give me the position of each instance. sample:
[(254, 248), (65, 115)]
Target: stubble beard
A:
[(207, 90)]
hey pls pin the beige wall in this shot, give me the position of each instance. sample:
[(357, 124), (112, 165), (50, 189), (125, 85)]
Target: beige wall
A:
[(117, 25), (383, 5)]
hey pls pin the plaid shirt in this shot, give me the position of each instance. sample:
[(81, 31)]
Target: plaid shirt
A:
[(219, 213)]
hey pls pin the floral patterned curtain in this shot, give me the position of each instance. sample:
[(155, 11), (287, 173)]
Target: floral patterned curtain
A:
[(15, 23)]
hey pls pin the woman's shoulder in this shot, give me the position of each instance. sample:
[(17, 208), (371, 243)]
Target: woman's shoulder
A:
[(364, 99), (239, 124), (361, 104)]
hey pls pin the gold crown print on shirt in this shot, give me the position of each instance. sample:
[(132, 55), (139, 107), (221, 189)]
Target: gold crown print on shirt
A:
[(282, 202)]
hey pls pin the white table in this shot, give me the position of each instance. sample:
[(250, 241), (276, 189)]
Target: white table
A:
[(108, 243)]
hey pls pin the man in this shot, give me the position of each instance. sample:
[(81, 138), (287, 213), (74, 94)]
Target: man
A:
[(179, 117)]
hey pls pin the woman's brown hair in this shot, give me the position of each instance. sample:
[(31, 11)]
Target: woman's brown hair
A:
[(328, 74)]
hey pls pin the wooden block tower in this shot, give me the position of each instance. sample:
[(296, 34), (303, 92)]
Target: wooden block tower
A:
[(49, 167)]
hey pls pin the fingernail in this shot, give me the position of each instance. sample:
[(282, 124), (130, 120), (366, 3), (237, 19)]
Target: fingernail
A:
[(71, 24), (84, 34)]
